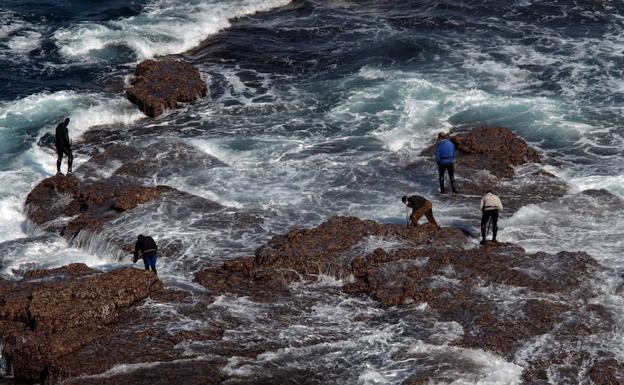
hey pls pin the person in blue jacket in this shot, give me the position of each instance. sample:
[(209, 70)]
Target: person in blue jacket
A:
[(445, 158)]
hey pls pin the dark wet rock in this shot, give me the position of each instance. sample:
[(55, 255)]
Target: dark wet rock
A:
[(72, 270), (51, 314), (191, 372), (495, 158), (496, 149), (161, 160), (67, 206), (309, 252), (159, 85), (500, 295)]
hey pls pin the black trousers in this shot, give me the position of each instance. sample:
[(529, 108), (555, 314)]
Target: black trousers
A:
[(70, 158), (451, 172), (484, 220)]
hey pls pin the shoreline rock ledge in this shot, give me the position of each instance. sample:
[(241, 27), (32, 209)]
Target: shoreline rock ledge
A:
[(159, 85)]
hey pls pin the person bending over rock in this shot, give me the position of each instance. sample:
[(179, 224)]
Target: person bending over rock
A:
[(445, 158), (63, 146), (146, 248), (420, 206), (490, 206)]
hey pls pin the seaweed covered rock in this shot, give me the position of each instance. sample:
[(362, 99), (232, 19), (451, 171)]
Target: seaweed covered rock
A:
[(159, 85)]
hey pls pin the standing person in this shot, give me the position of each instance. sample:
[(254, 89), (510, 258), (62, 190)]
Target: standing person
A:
[(63, 146), (146, 248), (445, 158), (490, 206), (420, 206)]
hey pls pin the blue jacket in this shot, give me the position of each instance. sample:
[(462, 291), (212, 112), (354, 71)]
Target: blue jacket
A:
[(445, 152)]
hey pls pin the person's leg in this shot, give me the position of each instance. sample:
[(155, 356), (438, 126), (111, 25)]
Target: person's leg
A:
[(430, 218), (441, 177), (70, 160), (153, 263), (146, 263), (59, 159), (484, 219), (418, 213), (494, 224), (451, 172)]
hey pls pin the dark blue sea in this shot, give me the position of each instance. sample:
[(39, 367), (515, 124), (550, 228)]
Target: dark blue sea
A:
[(317, 107)]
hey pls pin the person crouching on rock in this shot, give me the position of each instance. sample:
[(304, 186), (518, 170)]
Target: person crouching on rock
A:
[(63, 146), (490, 206), (445, 158), (420, 206), (146, 248)]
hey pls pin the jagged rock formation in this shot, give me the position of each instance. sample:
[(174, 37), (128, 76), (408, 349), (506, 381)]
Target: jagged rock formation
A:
[(159, 85)]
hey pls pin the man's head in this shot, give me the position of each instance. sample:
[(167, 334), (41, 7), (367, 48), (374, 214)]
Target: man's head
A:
[(140, 236), (442, 135), (66, 121), (404, 199), (489, 192)]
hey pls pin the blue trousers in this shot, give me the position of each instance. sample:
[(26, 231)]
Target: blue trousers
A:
[(150, 262)]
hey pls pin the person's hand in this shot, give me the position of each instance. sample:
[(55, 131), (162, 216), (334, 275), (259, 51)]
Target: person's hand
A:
[(134, 259)]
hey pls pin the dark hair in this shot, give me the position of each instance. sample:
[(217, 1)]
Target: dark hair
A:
[(489, 191), (404, 198), (66, 120), (442, 135)]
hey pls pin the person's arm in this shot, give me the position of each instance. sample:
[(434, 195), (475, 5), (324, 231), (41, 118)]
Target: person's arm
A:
[(500, 205), (482, 203), (454, 151), (437, 152), (67, 142), (135, 257)]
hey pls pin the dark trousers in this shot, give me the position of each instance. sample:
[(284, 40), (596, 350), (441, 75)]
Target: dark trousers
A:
[(70, 158), (451, 172), (484, 220), (425, 210), (150, 262)]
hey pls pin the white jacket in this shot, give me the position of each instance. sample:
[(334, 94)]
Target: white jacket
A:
[(491, 202)]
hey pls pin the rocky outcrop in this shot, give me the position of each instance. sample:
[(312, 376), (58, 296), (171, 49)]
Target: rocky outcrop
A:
[(53, 313), (496, 149), (65, 205), (159, 85), (500, 295), (494, 158)]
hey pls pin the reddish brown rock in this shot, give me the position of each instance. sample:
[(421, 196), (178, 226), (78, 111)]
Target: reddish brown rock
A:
[(62, 204), (159, 85), (44, 320)]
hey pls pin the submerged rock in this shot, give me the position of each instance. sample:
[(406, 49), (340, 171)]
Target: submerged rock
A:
[(53, 313), (159, 85)]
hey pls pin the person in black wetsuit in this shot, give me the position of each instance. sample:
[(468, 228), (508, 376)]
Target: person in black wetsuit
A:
[(63, 146), (420, 206), (146, 248)]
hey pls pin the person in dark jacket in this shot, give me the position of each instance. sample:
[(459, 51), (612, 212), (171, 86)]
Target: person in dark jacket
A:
[(146, 248), (420, 206), (445, 158), (63, 146)]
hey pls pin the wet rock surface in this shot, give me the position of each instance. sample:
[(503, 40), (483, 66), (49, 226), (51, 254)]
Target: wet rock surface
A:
[(494, 158), (65, 205), (160, 85), (501, 296), (51, 314)]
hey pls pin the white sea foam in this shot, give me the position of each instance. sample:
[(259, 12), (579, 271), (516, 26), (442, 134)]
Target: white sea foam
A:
[(164, 27)]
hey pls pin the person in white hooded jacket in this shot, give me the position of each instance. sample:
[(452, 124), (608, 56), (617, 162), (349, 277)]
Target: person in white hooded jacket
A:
[(490, 206)]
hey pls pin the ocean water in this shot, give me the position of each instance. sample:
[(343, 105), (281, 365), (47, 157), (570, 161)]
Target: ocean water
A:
[(315, 108)]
